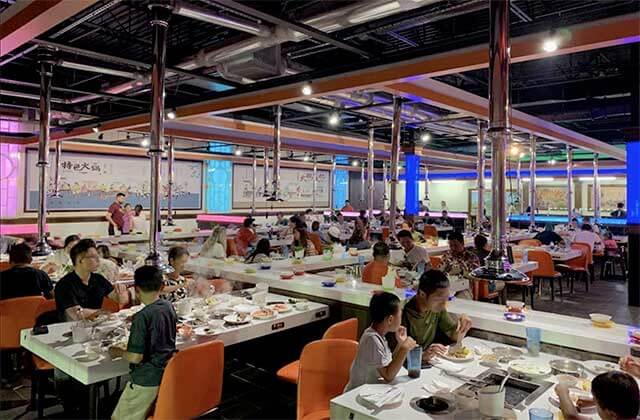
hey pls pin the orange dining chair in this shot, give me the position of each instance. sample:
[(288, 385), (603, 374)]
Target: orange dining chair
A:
[(530, 242), (589, 260), (5, 265), (435, 261), (385, 233), (545, 270), (430, 230), (15, 315), (347, 330), (192, 382), (577, 268), (317, 243), (231, 247), (110, 305), (41, 368), (324, 372)]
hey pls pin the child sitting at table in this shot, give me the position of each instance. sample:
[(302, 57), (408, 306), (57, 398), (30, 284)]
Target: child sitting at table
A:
[(152, 342), (615, 393), (374, 358), (610, 245), (376, 269)]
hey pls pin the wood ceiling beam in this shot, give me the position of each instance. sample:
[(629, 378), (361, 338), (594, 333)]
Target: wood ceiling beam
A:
[(25, 20), (442, 95)]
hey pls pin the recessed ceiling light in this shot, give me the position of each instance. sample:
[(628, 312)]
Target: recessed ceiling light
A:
[(145, 142), (334, 119), (552, 162), (425, 137), (238, 152), (355, 163), (171, 114), (306, 158), (306, 89)]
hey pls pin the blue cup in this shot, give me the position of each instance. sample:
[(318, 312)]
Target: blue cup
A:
[(540, 414), (533, 341), (414, 362)]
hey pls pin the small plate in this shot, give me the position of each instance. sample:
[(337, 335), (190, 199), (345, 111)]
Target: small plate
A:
[(469, 357), (599, 366), (281, 308), (263, 315), (233, 319), (328, 283), (206, 331)]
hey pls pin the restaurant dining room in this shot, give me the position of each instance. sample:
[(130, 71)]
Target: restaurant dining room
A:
[(277, 209)]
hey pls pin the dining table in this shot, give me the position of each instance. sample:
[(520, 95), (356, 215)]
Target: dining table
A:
[(59, 349), (445, 380)]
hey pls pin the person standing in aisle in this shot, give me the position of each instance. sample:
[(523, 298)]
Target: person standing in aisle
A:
[(115, 215)]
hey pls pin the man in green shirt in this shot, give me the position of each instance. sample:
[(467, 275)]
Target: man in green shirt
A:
[(425, 316)]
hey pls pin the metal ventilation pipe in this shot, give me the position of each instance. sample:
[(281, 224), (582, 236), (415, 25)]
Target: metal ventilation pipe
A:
[(426, 185), (265, 167), (497, 265), (46, 74), (532, 184), (206, 15), (171, 176), (370, 169), (596, 187), (482, 127), (159, 25), (277, 145), (254, 182), (519, 184), (396, 130), (315, 181), (362, 186), (569, 184), (384, 185), (99, 69), (56, 171), (333, 181)]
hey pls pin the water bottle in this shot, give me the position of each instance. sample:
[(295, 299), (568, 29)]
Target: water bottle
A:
[(285, 252), (361, 263)]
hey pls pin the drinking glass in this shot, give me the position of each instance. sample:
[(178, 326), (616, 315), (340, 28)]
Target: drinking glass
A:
[(540, 414), (533, 341), (414, 362)]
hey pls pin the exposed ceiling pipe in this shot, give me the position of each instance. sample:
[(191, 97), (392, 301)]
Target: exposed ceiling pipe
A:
[(30, 96), (98, 69), (209, 16)]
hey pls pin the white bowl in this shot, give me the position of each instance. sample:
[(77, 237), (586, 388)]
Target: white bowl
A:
[(216, 324), (600, 317)]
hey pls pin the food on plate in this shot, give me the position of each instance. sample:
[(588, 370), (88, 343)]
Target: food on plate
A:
[(250, 270), (491, 358), (297, 261), (264, 314), (461, 353), (211, 300), (530, 367), (238, 318), (600, 318), (286, 275), (280, 307)]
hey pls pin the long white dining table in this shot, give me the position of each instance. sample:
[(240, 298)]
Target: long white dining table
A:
[(58, 348), (350, 406)]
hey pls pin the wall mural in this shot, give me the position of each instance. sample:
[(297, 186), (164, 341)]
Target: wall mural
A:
[(610, 196), (91, 181), (551, 197)]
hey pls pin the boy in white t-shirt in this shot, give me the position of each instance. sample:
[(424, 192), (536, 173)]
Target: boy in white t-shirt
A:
[(374, 359)]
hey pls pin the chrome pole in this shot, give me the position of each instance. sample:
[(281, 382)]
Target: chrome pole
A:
[(159, 25), (385, 198), (265, 167), (499, 132), (315, 181), (532, 183), (254, 181), (362, 183), (426, 185), (519, 184), (370, 169), (56, 171), (596, 187), (482, 130), (46, 74), (170, 182), (333, 182), (277, 145), (569, 184), (395, 156)]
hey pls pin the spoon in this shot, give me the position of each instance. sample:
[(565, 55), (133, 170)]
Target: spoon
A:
[(504, 381)]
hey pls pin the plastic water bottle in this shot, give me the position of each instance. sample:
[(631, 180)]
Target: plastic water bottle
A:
[(361, 263)]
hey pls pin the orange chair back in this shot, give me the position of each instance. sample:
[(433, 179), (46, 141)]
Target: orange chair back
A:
[(192, 382), (430, 230), (49, 305), (324, 372), (545, 263), (581, 261), (530, 242), (317, 243), (586, 248), (231, 247), (5, 265), (385, 233), (435, 260), (15, 315), (347, 330)]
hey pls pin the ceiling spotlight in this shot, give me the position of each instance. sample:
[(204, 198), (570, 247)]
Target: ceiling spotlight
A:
[(514, 150), (306, 157), (334, 119), (425, 137), (101, 136), (238, 152), (96, 128), (171, 114), (306, 89), (355, 163), (484, 148), (552, 162), (521, 155), (550, 44), (145, 142)]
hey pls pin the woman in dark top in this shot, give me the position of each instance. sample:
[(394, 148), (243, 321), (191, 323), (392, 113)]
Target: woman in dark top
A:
[(548, 235), (357, 239), (262, 250)]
